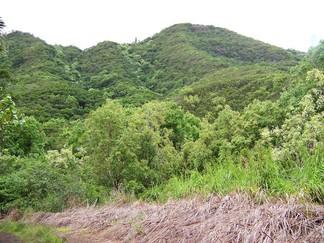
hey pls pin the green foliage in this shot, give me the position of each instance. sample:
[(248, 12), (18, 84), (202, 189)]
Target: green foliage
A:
[(103, 129), (2, 45), (260, 177), (26, 139), (182, 54), (8, 112), (231, 133), (30, 233), (111, 67), (72, 135), (303, 129), (317, 56), (178, 56), (54, 133), (48, 84), (235, 86), (30, 54), (62, 101), (137, 147), (20, 135), (239, 121), (40, 184), (260, 115), (222, 42), (9, 120)]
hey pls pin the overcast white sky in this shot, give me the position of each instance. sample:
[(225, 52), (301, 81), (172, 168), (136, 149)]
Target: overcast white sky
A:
[(294, 24)]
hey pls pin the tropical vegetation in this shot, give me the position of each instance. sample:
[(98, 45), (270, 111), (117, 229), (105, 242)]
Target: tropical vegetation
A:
[(192, 110)]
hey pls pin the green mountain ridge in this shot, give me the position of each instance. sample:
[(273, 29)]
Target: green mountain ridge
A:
[(159, 66), (184, 53)]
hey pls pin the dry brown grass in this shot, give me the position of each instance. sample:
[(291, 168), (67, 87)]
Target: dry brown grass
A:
[(234, 218)]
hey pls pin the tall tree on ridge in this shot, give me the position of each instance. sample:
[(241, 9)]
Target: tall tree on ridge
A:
[(2, 25)]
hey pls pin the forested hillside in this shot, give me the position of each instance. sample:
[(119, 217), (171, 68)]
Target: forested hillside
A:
[(65, 82), (44, 82), (191, 110), (184, 53)]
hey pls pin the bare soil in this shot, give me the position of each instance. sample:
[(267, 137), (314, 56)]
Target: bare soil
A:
[(235, 218), (9, 238)]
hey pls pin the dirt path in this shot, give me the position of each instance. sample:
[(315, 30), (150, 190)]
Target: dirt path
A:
[(234, 218), (9, 238)]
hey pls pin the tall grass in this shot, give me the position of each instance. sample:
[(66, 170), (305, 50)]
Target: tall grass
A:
[(261, 176)]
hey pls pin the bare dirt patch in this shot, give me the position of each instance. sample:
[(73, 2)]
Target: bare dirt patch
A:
[(9, 238), (234, 218)]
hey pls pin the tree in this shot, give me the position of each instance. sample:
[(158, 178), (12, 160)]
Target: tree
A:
[(2, 25), (137, 148), (303, 130), (8, 119), (317, 56), (27, 138), (8, 112), (104, 127), (2, 47), (259, 115)]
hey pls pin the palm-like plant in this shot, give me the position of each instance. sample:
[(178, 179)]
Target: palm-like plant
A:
[(2, 25)]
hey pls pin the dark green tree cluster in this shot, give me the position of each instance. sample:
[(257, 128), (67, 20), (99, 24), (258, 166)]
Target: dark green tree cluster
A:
[(234, 86), (139, 147)]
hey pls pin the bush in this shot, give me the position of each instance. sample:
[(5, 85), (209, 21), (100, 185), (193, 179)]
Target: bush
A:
[(39, 185)]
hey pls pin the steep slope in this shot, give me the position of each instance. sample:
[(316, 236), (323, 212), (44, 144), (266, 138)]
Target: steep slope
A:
[(110, 67), (228, 44), (234, 86), (30, 55), (184, 53), (105, 57), (46, 82), (56, 81)]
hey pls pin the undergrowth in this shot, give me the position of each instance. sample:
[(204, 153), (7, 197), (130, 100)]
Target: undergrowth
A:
[(261, 177)]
